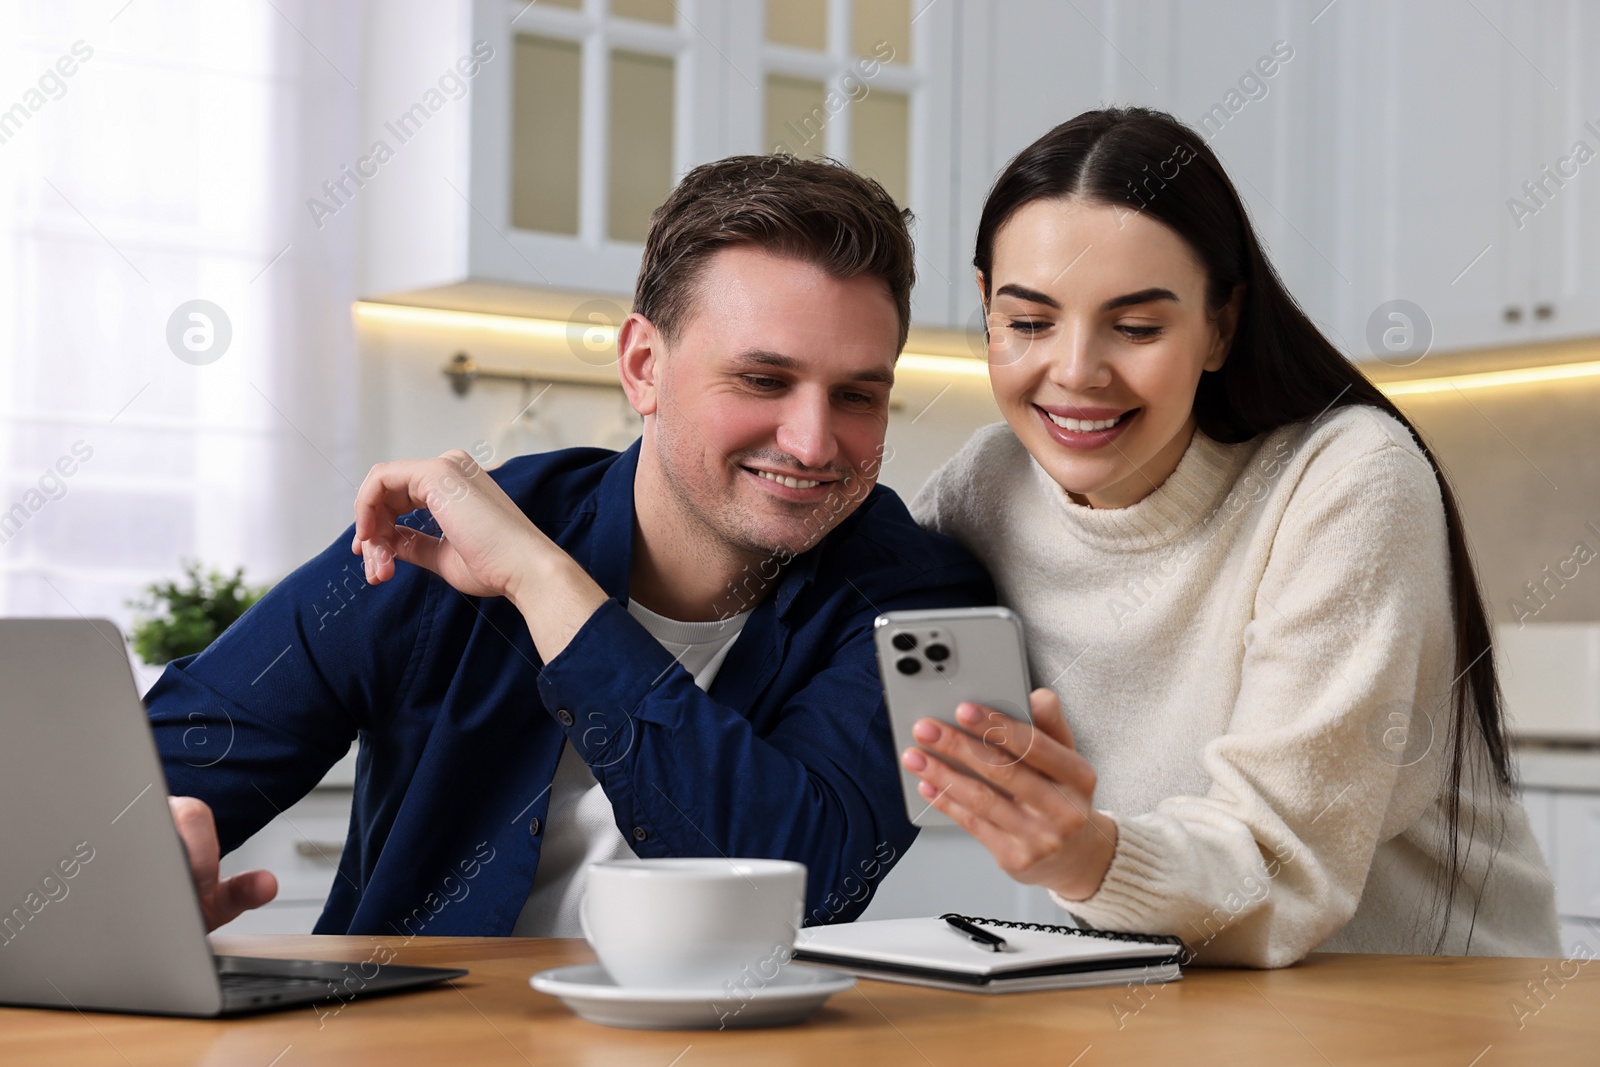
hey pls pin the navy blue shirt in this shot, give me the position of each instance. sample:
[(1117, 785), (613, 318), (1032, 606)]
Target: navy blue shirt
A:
[(461, 724)]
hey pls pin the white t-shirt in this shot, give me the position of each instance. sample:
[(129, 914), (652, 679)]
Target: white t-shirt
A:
[(580, 827)]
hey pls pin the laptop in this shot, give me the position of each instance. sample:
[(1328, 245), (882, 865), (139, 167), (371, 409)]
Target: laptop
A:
[(97, 908)]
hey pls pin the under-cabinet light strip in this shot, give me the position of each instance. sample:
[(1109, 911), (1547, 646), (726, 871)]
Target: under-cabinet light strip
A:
[(964, 366)]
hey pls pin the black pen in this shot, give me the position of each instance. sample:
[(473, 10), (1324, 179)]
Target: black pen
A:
[(993, 942)]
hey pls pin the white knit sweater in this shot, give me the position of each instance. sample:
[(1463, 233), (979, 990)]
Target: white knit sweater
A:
[(1256, 658)]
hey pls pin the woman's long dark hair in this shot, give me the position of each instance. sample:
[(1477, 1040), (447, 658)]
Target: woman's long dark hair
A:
[(1279, 370)]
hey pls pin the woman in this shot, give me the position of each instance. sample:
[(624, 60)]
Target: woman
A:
[(1245, 577)]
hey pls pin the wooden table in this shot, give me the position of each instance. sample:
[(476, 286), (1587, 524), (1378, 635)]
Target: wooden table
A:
[(1332, 1009)]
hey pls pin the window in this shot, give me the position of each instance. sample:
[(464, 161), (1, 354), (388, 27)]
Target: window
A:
[(177, 365)]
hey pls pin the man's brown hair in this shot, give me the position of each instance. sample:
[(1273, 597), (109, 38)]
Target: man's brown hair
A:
[(814, 210)]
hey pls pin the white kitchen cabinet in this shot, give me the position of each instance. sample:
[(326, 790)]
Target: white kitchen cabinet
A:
[(1577, 854), (301, 847), (1379, 160), (883, 89), (1540, 806), (1550, 675), (1562, 104), (715, 70), (1566, 822), (1428, 140), (1023, 66), (1028, 65), (1426, 119), (1443, 114), (590, 257), (946, 869), (1580, 939)]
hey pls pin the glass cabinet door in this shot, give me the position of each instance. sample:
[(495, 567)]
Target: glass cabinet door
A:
[(863, 82), (605, 104)]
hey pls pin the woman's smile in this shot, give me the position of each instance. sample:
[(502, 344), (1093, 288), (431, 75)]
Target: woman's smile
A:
[(1085, 428)]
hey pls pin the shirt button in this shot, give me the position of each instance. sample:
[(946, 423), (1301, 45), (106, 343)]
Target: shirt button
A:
[(639, 833), (534, 826), (563, 716)]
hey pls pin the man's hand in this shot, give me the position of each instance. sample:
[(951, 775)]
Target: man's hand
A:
[(221, 900), (488, 544), (488, 548)]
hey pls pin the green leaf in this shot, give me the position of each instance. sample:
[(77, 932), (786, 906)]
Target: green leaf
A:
[(184, 619)]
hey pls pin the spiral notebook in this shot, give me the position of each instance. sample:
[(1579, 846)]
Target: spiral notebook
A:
[(1036, 956)]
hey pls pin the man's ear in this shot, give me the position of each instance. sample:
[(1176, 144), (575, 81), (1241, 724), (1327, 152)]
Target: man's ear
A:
[(1227, 324), (639, 346)]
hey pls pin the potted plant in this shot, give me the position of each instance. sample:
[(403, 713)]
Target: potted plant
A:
[(184, 618)]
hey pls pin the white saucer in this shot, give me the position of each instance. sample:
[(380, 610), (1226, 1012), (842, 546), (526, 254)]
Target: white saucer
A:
[(796, 992)]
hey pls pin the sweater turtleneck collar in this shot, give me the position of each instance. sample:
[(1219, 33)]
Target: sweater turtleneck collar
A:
[(1203, 478)]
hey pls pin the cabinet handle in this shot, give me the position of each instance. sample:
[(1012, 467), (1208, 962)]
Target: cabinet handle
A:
[(1513, 313), (329, 851), (1544, 311)]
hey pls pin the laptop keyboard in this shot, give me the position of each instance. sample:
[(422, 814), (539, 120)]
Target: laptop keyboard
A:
[(257, 984)]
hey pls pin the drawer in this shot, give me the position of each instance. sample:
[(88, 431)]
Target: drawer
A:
[(1577, 854), (301, 846)]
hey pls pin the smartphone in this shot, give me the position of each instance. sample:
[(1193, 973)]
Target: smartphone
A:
[(930, 661)]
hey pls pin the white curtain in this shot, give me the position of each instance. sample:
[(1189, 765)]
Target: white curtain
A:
[(153, 153)]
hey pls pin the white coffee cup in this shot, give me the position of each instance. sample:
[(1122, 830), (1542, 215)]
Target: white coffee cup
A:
[(692, 923)]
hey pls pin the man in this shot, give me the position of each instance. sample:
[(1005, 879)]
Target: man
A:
[(584, 654)]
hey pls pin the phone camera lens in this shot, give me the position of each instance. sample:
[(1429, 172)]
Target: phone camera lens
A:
[(908, 665), (904, 642), (938, 653)]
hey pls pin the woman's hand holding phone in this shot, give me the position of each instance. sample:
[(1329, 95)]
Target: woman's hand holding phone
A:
[(1030, 803)]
